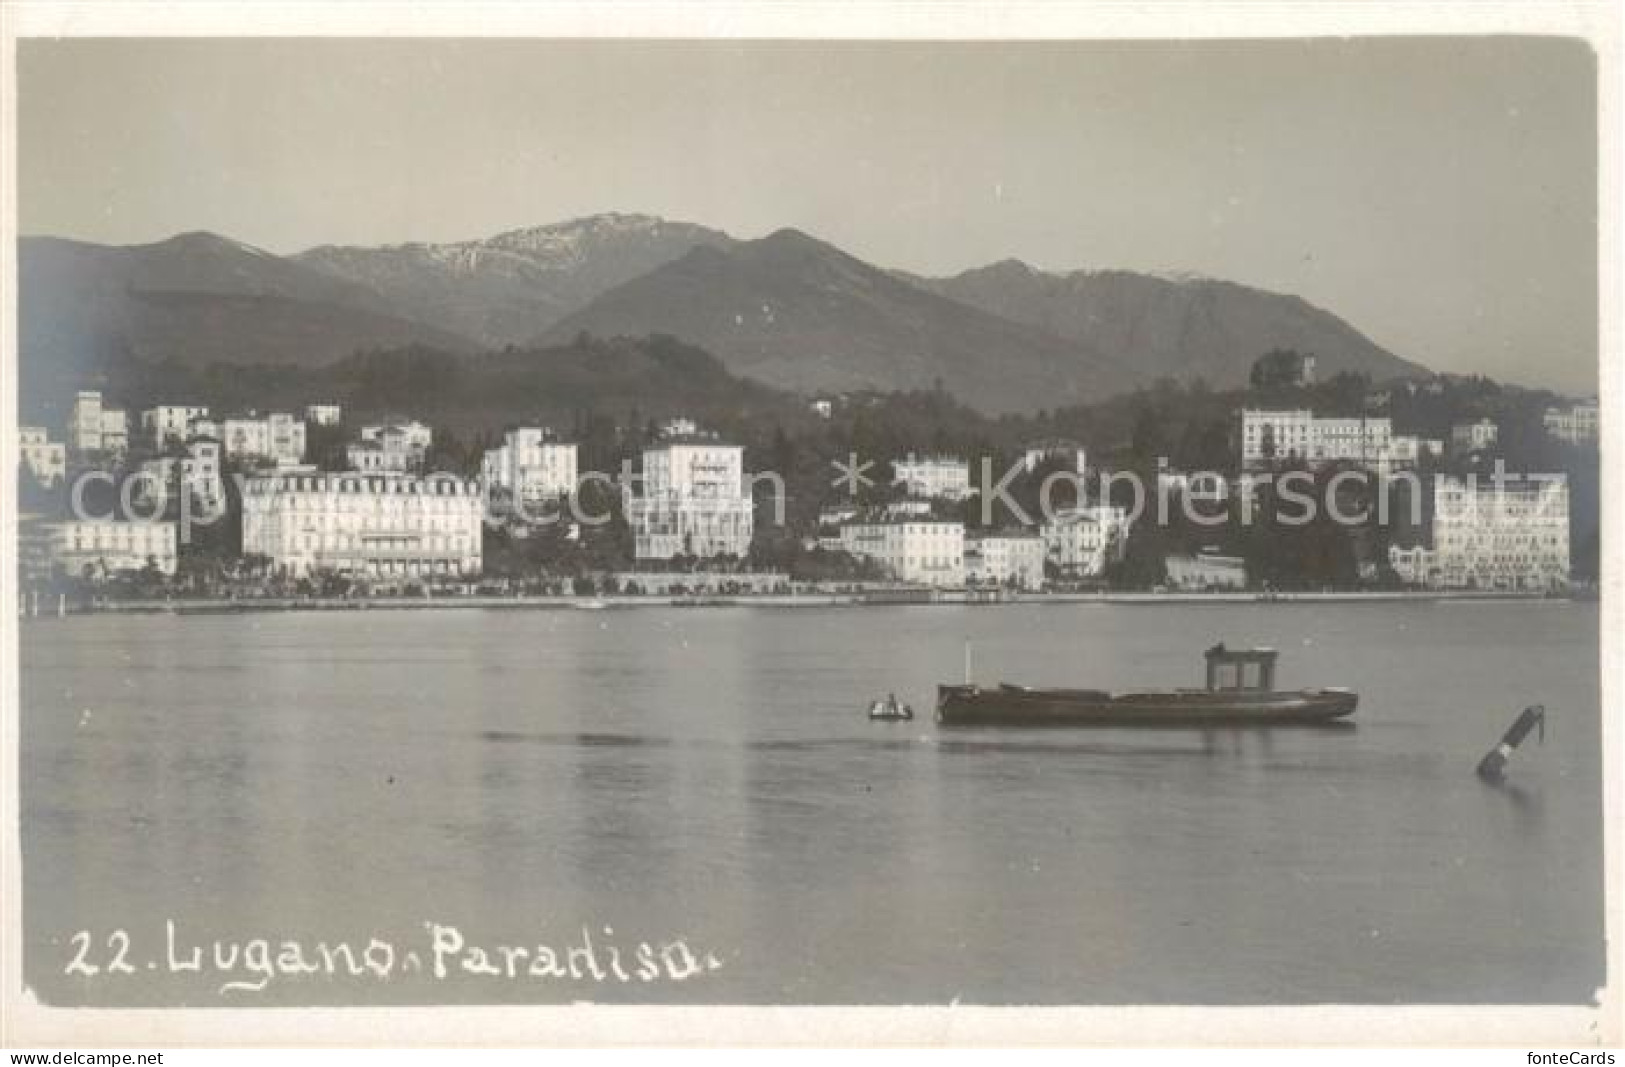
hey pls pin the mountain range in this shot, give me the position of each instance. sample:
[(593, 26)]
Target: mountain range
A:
[(786, 310)]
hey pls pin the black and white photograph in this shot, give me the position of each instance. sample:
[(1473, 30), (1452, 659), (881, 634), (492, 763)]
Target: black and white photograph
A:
[(774, 520)]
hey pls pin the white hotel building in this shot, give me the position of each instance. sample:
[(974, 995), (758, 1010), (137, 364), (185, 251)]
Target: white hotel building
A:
[(170, 422), (531, 466), (1281, 436), (277, 438), (94, 428), (46, 460), (1474, 436), (917, 551), (108, 547), (1508, 536), (365, 525), (691, 500), (324, 414), (404, 445), (1576, 424), (1082, 541), (1006, 559), (933, 477), (197, 473)]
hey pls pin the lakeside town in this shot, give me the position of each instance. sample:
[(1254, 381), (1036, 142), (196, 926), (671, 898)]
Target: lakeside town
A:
[(177, 501)]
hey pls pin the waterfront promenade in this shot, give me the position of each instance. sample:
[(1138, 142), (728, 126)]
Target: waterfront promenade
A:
[(48, 607)]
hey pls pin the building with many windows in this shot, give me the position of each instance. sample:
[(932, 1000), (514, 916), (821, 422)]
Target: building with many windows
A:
[(1081, 542), (170, 423), (104, 547), (324, 414), (915, 550), (1299, 436), (277, 438), (46, 460), (365, 525), (1205, 570), (94, 428), (194, 471), (1511, 534), (1576, 423), (933, 477), (532, 466), (371, 457), (1414, 564), (691, 500), (405, 443), (1009, 559)]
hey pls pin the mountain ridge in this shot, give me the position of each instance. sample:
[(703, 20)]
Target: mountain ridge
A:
[(797, 313), (1171, 326), (508, 287), (787, 309)]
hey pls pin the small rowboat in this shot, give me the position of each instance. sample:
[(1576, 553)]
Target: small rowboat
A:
[(890, 710)]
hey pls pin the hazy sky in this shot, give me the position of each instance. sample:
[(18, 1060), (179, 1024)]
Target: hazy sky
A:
[(1438, 193)]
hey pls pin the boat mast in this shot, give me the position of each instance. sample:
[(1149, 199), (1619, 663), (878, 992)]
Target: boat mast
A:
[(967, 661)]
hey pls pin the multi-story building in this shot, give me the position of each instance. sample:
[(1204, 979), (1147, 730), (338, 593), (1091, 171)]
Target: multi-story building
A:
[(1576, 424), (372, 457), (287, 438), (1274, 436), (85, 424), (406, 442), (1008, 559), (1082, 541), (1414, 564), (691, 500), (1474, 436), (102, 547), (368, 525), (1361, 440), (1206, 570), (1283, 436), (932, 477), (278, 438), (115, 432), (1511, 534), (324, 414), (918, 551), (531, 466), (94, 428), (195, 472), (168, 423), (46, 460)]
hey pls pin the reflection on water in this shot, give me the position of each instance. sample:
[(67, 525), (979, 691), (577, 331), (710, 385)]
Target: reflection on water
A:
[(709, 778)]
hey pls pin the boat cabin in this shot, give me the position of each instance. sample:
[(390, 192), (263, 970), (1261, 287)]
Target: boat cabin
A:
[(1235, 661)]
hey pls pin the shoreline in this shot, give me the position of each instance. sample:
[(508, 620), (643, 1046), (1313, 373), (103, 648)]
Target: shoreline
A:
[(615, 602)]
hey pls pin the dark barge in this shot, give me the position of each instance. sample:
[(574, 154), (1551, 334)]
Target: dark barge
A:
[(1238, 702)]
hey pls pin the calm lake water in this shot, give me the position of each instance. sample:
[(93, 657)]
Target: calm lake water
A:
[(705, 779)]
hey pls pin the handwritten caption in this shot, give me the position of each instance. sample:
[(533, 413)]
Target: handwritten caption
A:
[(443, 954)]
